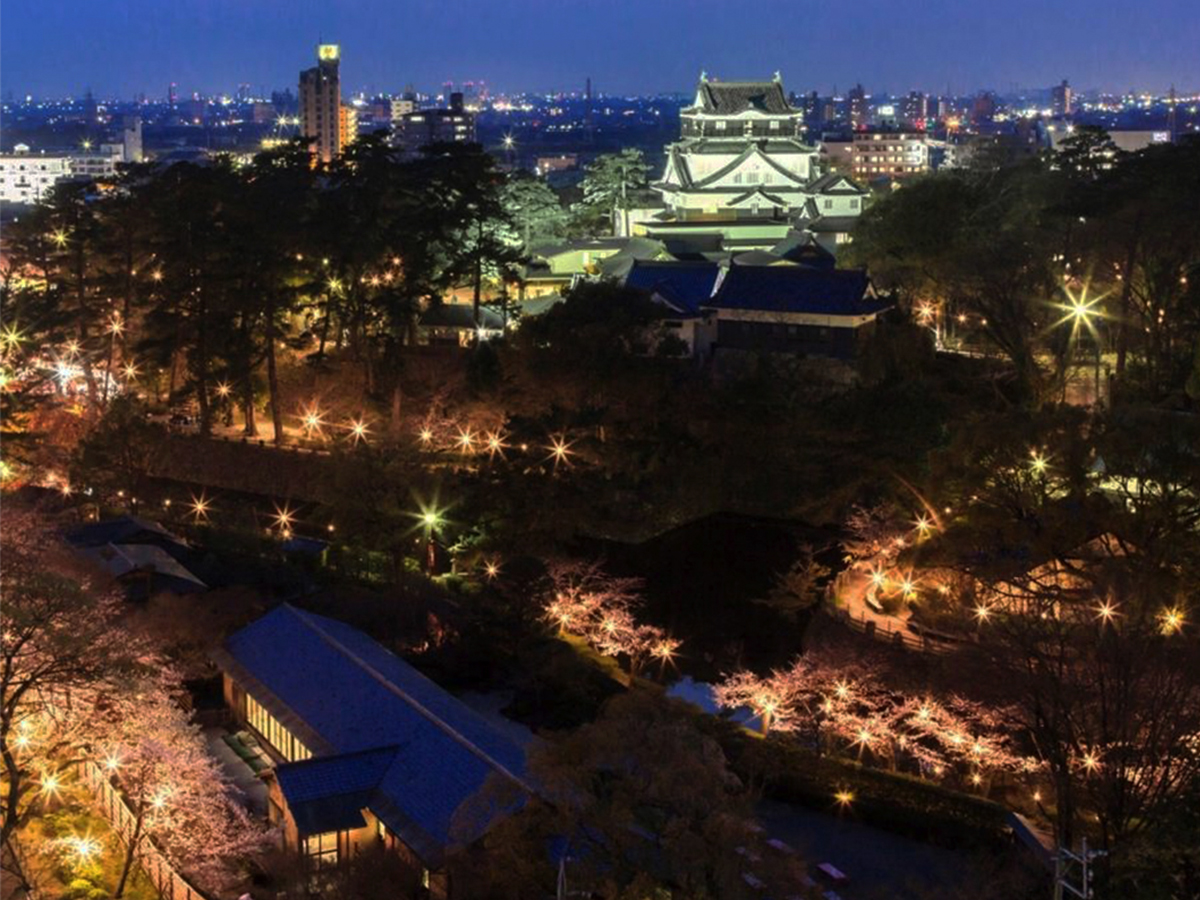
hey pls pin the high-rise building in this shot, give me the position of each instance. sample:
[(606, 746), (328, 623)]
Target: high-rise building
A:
[(347, 125), (984, 107), (915, 109), (131, 139), (857, 107), (321, 103), (1061, 98)]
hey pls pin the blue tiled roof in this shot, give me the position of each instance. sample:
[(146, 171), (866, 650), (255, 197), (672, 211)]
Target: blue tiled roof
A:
[(359, 697), (325, 776), (797, 289), (329, 793), (120, 530), (687, 285)]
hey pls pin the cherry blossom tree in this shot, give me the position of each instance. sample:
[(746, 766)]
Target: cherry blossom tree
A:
[(77, 685), (62, 655), (874, 533), (843, 708), (180, 798), (583, 599)]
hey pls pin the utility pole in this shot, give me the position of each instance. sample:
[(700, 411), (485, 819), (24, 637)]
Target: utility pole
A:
[(1068, 866)]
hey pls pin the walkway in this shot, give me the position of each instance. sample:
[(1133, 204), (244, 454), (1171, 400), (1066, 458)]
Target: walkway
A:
[(238, 771), (878, 863), (853, 588)]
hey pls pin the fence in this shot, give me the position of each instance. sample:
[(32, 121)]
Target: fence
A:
[(169, 883), (898, 637)]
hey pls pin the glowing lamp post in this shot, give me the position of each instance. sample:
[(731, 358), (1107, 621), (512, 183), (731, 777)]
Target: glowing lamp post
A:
[(431, 519), (1081, 312), (358, 430)]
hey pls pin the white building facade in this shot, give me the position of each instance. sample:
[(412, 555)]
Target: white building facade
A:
[(740, 169), (27, 177)]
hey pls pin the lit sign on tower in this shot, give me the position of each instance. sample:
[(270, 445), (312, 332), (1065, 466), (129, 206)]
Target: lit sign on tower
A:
[(328, 52)]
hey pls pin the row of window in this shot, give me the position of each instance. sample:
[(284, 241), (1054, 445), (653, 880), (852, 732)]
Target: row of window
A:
[(272, 731), (748, 126)]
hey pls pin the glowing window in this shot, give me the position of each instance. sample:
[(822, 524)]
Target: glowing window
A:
[(322, 849)]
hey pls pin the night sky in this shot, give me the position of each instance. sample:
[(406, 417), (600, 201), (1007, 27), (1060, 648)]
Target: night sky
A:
[(60, 47)]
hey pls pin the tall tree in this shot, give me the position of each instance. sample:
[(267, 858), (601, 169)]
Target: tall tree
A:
[(609, 184), (535, 209), (975, 243), (637, 804), (62, 657)]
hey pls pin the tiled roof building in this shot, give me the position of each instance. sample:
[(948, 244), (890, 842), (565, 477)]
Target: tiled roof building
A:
[(367, 748), (741, 170)]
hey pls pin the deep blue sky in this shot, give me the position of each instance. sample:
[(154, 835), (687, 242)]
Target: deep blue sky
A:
[(119, 47)]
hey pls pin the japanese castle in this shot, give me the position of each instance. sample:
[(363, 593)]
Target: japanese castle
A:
[(742, 174)]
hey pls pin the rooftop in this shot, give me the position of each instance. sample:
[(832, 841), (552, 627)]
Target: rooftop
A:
[(798, 289), (728, 98), (383, 735), (685, 285)]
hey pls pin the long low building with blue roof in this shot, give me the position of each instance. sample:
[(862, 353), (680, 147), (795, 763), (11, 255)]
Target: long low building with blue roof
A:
[(795, 309), (366, 748), (803, 307)]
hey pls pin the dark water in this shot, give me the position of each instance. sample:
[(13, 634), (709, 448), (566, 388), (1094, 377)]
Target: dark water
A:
[(701, 581)]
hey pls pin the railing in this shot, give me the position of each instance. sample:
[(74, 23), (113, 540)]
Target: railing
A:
[(169, 884), (897, 637)]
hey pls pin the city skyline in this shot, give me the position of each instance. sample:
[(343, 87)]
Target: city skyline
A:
[(55, 48)]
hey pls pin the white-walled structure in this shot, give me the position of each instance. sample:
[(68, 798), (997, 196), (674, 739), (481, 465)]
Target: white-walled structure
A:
[(27, 177), (741, 168)]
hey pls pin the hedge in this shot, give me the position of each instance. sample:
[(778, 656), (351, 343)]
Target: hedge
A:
[(893, 801)]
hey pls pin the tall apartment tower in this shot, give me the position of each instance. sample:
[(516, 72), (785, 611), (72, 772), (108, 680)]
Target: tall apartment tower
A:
[(321, 102), (1061, 97), (916, 109), (858, 107)]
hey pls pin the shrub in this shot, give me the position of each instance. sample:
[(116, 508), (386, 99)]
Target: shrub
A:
[(889, 800)]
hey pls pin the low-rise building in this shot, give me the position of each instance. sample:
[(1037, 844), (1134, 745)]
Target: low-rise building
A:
[(792, 301), (27, 177), (795, 309), (552, 268), (424, 127), (895, 155), (366, 750), (682, 288), (453, 324)]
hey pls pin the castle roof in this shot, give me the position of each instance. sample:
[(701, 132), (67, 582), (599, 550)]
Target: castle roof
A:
[(836, 183), (728, 98)]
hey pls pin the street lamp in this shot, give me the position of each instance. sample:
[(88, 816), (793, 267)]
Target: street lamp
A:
[(358, 430), (431, 519), (1080, 311)]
